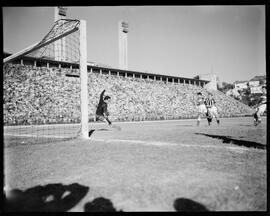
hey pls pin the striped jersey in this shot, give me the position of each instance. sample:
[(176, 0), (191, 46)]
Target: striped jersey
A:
[(263, 99), (209, 102)]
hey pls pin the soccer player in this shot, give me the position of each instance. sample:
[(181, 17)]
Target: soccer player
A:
[(211, 107), (201, 107), (260, 107), (102, 113)]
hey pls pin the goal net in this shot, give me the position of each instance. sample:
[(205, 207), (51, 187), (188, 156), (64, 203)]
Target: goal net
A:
[(42, 102)]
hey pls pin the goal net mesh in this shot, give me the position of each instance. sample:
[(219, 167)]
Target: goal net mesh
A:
[(41, 102)]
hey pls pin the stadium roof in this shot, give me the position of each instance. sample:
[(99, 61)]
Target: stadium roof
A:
[(99, 65), (106, 67)]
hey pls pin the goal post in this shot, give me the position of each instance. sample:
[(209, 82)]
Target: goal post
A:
[(83, 79), (34, 81)]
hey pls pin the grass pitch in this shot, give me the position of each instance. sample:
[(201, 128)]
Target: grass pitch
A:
[(147, 166)]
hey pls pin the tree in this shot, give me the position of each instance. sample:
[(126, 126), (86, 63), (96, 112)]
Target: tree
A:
[(225, 87), (246, 96), (261, 82)]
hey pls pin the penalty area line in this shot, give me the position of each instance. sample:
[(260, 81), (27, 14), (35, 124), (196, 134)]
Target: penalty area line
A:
[(159, 143)]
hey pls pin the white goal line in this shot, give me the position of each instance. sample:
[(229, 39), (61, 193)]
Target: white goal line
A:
[(36, 135)]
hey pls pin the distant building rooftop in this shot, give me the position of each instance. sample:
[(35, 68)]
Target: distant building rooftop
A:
[(237, 82), (257, 78)]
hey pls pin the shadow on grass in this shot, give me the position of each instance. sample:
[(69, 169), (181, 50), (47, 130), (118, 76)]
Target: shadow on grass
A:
[(246, 125), (188, 205), (100, 204), (92, 131), (48, 198), (61, 198), (228, 139)]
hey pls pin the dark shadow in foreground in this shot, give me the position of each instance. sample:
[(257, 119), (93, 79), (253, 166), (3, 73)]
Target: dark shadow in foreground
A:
[(48, 198), (100, 204), (188, 205), (228, 139)]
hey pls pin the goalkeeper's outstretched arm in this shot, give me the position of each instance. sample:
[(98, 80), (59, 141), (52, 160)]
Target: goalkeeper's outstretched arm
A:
[(101, 96)]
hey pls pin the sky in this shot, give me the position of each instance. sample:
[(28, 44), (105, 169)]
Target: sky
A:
[(183, 41)]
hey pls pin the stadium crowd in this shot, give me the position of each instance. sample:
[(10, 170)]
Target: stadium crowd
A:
[(41, 95)]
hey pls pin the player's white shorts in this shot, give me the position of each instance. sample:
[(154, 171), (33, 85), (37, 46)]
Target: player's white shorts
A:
[(213, 110), (202, 109), (261, 109)]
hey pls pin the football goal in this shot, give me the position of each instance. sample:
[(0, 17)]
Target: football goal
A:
[(40, 100)]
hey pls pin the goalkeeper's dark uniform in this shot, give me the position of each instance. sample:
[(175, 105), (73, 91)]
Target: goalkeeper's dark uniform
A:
[(102, 109)]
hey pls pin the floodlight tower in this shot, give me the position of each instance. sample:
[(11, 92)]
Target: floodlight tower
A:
[(60, 45), (123, 54)]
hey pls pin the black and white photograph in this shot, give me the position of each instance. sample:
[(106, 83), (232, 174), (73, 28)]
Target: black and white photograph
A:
[(135, 108)]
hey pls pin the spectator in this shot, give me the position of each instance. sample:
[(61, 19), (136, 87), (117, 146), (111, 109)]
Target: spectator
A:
[(41, 95)]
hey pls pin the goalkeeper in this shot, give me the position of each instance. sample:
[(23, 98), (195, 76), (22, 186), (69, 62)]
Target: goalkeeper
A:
[(102, 113)]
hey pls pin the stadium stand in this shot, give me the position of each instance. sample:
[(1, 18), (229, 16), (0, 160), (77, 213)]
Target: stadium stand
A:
[(38, 95)]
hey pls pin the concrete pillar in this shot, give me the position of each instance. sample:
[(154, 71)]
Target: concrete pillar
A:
[(118, 73), (109, 73), (126, 75), (48, 65), (167, 80), (123, 47), (184, 81), (35, 63), (141, 76), (133, 75), (155, 78), (59, 66), (100, 71), (21, 61)]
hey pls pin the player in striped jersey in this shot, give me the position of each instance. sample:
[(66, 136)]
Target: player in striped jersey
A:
[(201, 107), (261, 107), (211, 107)]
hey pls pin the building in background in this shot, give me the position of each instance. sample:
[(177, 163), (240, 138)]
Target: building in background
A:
[(240, 85), (256, 84), (257, 80)]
